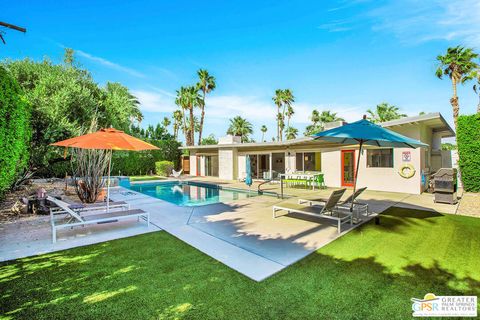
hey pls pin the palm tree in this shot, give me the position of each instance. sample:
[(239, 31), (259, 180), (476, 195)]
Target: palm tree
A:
[(476, 88), (291, 133), (459, 66), (278, 100), (166, 122), (264, 130), (240, 127), (328, 116), (290, 112), (319, 119), (188, 98), (384, 112), (177, 122), (206, 85), (288, 99)]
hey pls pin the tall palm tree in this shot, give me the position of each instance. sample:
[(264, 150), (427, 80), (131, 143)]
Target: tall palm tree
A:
[(384, 112), (288, 99), (278, 100), (459, 66), (177, 122), (180, 101), (240, 127), (206, 84), (291, 133), (476, 88), (264, 130), (188, 98), (289, 113)]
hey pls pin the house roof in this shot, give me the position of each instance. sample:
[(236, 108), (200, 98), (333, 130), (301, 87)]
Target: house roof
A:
[(434, 120)]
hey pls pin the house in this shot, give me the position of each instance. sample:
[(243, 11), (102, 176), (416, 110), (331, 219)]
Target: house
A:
[(379, 167)]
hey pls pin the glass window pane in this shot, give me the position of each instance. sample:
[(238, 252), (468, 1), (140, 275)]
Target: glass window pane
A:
[(299, 161), (309, 161), (380, 158)]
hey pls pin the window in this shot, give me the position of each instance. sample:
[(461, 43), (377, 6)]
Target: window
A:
[(308, 161), (380, 158)]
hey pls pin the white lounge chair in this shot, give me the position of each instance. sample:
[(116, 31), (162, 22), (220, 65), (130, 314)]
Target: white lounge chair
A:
[(176, 174), (327, 210), (358, 208), (80, 220)]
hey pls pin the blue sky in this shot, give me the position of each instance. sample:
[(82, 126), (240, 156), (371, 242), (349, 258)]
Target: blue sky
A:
[(346, 56)]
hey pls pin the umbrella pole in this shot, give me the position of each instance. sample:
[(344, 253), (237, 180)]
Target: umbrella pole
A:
[(356, 173), (108, 181)]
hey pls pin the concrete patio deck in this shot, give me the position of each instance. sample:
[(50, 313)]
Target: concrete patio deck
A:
[(241, 234)]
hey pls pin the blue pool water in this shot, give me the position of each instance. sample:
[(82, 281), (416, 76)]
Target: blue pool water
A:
[(190, 193)]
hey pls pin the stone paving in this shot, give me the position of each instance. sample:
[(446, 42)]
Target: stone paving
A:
[(469, 204)]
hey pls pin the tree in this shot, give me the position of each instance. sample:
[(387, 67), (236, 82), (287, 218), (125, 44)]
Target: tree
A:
[(458, 65), (288, 99), (210, 140), (291, 133), (15, 131), (278, 100), (319, 119), (206, 84), (166, 122), (240, 127), (476, 89), (177, 122), (283, 99), (263, 129), (290, 112), (188, 98), (384, 112), (119, 107), (64, 99)]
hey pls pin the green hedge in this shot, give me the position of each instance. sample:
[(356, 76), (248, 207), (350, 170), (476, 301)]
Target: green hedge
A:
[(15, 132), (468, 142), (164, 168), (143, 162)]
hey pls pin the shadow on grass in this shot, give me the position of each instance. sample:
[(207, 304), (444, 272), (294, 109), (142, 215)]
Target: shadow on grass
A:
[(158, 276)]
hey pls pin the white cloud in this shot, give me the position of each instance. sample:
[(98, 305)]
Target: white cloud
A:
[(154, 101), (421, 21), (109, 64)]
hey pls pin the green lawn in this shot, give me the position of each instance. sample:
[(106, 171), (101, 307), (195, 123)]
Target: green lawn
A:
[(146, 178), (371, 273)]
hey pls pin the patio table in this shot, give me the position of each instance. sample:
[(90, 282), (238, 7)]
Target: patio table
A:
[(303, 178)]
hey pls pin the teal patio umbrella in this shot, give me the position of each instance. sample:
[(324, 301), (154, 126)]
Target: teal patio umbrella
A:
[(248, 178), (364, 132)]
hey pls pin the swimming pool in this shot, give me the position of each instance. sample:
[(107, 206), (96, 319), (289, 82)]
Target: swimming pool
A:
[(190, 194)]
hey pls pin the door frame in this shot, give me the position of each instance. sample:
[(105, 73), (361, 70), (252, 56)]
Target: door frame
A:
[(342, 173)]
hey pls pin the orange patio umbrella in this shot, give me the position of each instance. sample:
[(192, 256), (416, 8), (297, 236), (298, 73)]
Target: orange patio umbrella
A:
[(107, 139)]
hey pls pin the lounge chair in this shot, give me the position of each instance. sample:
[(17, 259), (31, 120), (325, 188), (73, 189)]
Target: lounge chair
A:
[(76, 219), (344, 205), (328, 210), (176, 174)]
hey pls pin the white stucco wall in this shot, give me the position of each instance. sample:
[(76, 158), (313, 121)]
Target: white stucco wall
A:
[(228, 164), (331, 167), (193, 164), (388, 179)]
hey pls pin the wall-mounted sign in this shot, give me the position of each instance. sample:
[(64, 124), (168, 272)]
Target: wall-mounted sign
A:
[(406, 156)]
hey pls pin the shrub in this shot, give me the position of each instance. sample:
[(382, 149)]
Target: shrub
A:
[(15, 132), (468, 142), (143, 162), (163, 168)]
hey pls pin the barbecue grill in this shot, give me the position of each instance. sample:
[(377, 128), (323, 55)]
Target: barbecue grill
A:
[(445, 185)]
